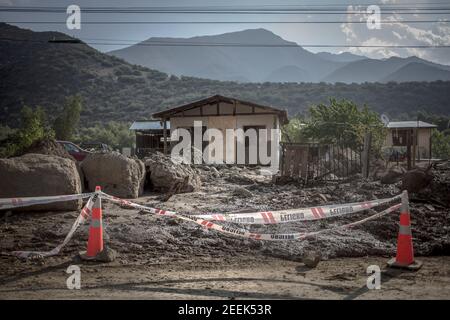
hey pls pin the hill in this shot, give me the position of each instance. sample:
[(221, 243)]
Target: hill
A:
[(254, 64), (35, 72), (207, 57), (418, 72), (372, 70)]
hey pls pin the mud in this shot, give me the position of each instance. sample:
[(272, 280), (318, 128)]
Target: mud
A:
[(157, 242)]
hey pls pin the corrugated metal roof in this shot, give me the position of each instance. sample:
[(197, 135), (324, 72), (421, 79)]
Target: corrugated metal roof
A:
[(410, 124), (148, 125)]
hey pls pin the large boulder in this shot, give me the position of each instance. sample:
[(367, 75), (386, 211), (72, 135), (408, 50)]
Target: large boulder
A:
[(416, 179), (169, 175), (115, 173), (34, 175), (49, 147), (392, 175)]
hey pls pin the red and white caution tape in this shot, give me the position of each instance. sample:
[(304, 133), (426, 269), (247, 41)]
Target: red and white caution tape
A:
[(84, 214), (270, 217), (291, 215), (8, 203), (240, 232)]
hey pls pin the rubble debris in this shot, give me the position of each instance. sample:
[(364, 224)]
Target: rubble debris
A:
[(117, 174), (146, 237), (416, 180), (168, 176), (392, 175), (242, 192), (106, 255), (34, 175), (311, 259)]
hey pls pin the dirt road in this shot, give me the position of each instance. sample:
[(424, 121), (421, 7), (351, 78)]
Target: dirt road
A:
[(206, 278)]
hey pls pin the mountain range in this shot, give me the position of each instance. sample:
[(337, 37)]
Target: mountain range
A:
[(266, 57), (36, 72)]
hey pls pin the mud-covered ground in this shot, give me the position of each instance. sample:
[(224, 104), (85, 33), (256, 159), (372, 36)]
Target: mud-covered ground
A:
[(162, 248)]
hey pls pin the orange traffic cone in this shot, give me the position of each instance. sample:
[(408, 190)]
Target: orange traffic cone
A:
[(405, 251), (95, 241)]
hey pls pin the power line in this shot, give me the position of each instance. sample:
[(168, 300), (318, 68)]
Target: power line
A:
[(224, 10), (232, 22), (218, 44)]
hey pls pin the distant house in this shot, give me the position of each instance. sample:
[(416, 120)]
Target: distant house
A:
[(223, 113), (415, 133), (149, 136)]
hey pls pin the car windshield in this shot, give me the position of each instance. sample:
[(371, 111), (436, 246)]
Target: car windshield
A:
[(93, 146), (70, 147)]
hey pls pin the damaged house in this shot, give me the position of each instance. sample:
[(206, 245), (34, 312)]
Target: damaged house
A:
[(222, 113)]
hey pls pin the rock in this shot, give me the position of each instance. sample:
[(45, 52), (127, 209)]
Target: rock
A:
[(34, 175), (311, 259), (215, 173), (48, 147), (392, 175), (242, 193), (416, 179), (117, 174), (379, 169), (167, 175), (107, 255)]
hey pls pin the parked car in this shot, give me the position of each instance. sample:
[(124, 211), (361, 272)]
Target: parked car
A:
[(95, 147), (75, 151)]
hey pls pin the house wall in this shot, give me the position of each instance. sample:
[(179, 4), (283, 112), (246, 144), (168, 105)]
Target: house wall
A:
[(423, 142), (227, 121)]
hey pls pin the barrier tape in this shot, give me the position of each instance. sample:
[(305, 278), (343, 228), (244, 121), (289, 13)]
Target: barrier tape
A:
[(84, 214), (8, 203), (270, 217), (205, 220), (244, 233)]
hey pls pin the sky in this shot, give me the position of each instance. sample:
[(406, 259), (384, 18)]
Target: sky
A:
[(402, 32)]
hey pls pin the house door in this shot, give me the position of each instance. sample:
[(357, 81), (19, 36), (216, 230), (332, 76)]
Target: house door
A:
[(247, 144)]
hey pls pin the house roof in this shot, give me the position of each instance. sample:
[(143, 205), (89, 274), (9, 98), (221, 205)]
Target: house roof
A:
[(215, 99), (148, 125), (410, 124)]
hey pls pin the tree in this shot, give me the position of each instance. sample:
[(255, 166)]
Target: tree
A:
[(34, 127), (342, 122), (66, 123), (115, 134), (440, 144)]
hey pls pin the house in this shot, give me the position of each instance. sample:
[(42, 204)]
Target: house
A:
[(415, 133), (149, 136), (222, 113)]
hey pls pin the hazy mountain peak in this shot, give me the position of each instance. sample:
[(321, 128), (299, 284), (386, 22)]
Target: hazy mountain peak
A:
[(257, 64)]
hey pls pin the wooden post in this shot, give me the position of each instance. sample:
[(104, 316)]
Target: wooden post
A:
[(414, 151), (165, 135), (408, 149), (366, 155)]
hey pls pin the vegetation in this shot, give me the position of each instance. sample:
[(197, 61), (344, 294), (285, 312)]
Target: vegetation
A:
[(34, 126), (440, 144), (114, 90), (341, 121), (66, 123), (116, 135)]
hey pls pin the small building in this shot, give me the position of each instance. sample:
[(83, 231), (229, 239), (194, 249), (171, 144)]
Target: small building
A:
[(149, 136), (415, 133), (224, 113)]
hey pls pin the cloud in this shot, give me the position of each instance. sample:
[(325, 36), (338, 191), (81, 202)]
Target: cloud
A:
[(397, 32)]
